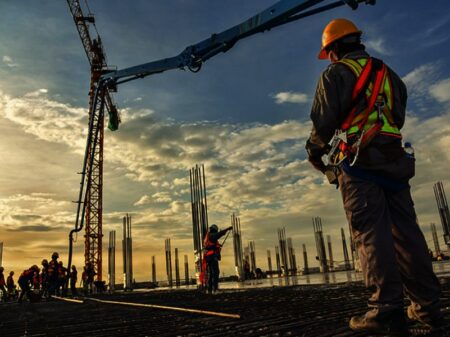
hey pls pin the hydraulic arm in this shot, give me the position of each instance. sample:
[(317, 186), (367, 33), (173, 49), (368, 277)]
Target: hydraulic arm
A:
[(192, 57)]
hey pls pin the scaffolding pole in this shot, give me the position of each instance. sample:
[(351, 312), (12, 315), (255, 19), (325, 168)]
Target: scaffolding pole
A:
[(153, 270), (186, 270), (305, 261), (269, 263), (177, 269)]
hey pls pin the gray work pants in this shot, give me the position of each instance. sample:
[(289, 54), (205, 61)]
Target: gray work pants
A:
[(392, 249)]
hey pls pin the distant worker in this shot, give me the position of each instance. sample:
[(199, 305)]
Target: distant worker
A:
[(25, 280), (90, 274), (62, 279), (3, 285), (362, 102), (212, 256), (73, 281), (53, 274), (11, 286), (44, 278)]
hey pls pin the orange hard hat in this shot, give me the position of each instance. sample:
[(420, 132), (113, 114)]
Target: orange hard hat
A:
[(334, 31)]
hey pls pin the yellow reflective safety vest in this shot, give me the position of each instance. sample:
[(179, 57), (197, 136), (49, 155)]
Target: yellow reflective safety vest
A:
[(352, 125)]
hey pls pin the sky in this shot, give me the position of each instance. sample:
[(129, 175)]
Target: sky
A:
[(245, 116)]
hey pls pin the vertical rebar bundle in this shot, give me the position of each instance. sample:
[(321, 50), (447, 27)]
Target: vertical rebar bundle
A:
[(112, 261), (251, 246), (1, 253), (237, 245), (283, 248), (127, 249), (177, 269), (199, 209), (292, 259), (345, 251), (153, 270), (320, 244), (437, 248), (444, 213), (277, 257), (269, 263), (305, 261), (186, 270), (330, 253), (168, 262)]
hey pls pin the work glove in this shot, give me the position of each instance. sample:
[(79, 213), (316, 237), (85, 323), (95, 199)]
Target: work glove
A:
[(317, 163)]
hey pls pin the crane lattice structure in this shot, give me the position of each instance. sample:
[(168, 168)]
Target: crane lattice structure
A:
[(92, 172)]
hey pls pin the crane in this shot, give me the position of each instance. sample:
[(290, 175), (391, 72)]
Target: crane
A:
[(92, 204), (192, 57)]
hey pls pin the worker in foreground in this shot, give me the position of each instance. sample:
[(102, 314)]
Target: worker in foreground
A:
[(212, 256), (359, 107)]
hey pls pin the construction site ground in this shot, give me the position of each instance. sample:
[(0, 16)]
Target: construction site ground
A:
[(307, 310)]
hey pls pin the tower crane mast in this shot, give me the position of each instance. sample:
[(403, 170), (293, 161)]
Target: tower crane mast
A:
[(92, 204)]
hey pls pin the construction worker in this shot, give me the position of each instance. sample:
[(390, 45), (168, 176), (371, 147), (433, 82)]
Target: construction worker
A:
[(53, 273), (90, 274), (3, 284), (25, 280), (10, 285), (44, 278), (62, 278), (212, 256), (73, 280), (356, 93)]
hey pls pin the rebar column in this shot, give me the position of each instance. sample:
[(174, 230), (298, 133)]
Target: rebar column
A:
[(330, 253), (177, 269), (305, 261), (437, 248), (1, 253), (168, 263), (127, 247), (112, 261), (320, 244), (237, 246), (283, 248), (345, 251), (269, 263), (153, 270), (444, 213), (199, 210), (186, 270), (292, 260), (277, 257), (251, 247)]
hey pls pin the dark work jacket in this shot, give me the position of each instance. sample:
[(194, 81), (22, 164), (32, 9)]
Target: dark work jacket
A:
[(332, 102)]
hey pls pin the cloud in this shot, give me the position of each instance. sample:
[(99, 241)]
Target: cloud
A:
[(34, 228), (441, 90), (378, 45), (290, 97), (9, 61), (144, 200)]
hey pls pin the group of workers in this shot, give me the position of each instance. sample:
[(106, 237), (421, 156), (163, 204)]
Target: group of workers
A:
[(52, 279)]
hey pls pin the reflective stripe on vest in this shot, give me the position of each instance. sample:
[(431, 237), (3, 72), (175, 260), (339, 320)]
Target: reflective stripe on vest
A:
[(389, 128)]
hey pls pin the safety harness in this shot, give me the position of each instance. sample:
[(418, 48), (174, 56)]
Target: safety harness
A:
[(373, 84), (210, 247)]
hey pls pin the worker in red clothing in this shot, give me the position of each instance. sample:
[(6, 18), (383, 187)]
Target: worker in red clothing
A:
[(3, 284), (357, 113), (25, 280), (53, 273), (212, 256)]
